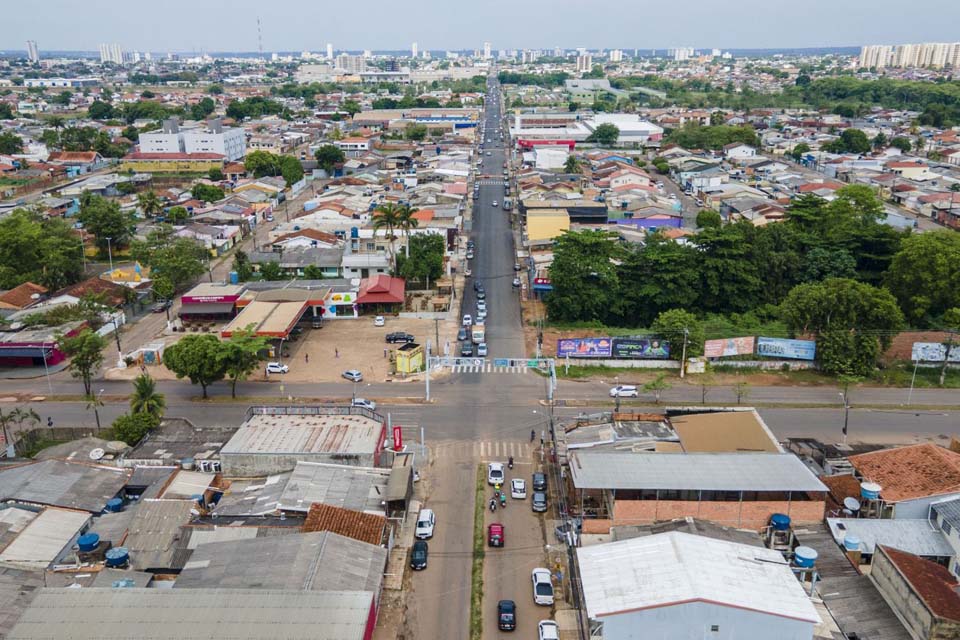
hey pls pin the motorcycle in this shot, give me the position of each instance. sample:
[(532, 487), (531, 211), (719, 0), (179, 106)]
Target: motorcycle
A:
[(493, 506), (503, 500), (510, 463)]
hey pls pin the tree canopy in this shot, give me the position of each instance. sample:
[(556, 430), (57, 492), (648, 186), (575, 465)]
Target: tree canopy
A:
[(106, 220), (196, 357)]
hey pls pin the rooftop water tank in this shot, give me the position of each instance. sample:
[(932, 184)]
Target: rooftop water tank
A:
[(88, 542), (851, 542), (851, 504), (870, 490), (115, 505), (187, 464), (117, 557), (234, 278), (804, 557), (780, 522)]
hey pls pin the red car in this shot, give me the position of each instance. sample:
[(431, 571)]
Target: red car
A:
[(495, 535)]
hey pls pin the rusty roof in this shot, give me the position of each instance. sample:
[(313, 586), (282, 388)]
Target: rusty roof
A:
[(934, 584), (366, 527), (22, 296), (907, 473)]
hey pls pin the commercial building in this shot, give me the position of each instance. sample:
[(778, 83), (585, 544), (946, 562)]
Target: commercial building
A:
[(56, 483), (66, 83), (678, 585), (351, 64), (229, 142), (210, 302), (347, 487), (275, 439), (144, 162)]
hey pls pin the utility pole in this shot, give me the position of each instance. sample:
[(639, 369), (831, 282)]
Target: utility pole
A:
[(110, 253), (846, 413), (683, 358), (436, 332), (427, 378)]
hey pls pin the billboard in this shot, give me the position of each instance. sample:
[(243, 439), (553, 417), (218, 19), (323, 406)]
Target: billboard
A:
[(650, 348), (584, 347), (933, 352), (783, 348), (729, 347)]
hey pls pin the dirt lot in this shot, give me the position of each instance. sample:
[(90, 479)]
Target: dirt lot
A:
[(321, 355)]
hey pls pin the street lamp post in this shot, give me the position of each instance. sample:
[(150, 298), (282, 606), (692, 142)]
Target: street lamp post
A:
[(110, 253), (96, 412), (846, 414), (616, 386)]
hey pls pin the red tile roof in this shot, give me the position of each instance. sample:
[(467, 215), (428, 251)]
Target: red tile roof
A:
[(906, 473), (381, 289), (366, 527), (313, 234), (933, 583), (113, 293), (73, 156), (22, 296), (139, 155)]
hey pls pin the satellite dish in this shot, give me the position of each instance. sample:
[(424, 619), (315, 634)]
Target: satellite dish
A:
[(96, 454), (851, 504)]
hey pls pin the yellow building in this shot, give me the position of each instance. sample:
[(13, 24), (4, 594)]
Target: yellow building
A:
[(409, 358), (172, 162), (545, 225)]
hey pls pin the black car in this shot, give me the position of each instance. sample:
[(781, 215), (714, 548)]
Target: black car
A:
[(477, 285), (400, 336), (470, 243), (506, 615), (481, 294), (466, 350), (539, 481), (418, 555), (462, 334)]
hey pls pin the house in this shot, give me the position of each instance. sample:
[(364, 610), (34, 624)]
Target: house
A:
[(234, 171), (946, 516), (911, 170), (78, 161), (923, 594), (739, 151), (382, 293), (22, 297), (679, 585)]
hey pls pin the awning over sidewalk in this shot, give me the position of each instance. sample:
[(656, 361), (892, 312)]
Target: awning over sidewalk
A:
[(207, 309)]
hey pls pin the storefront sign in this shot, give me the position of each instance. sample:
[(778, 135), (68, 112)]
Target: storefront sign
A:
[(397, 438)]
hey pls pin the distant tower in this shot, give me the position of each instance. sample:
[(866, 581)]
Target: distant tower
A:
[(413, 50), (33, 54), (329, 51), (486, 51), (259, 37)]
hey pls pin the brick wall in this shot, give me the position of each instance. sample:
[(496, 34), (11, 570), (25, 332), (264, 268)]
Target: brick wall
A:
[(750, 515)]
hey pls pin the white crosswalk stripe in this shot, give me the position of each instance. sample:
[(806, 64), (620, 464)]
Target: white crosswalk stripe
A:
[(487, 368), (491, 183), (488, 450)]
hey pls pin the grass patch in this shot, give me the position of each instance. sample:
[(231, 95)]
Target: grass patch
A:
[(899, 375), (590, 371), (479, 551)]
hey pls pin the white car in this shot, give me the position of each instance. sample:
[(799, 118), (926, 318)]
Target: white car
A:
[(494, 203), (623, 391), (495, 473), (548, 630), (276, 367), (542, 586), (352, 375), (426, 521), (518, 489), (467, 273), (482, 305), (516, 282), (363, 402), (482, 314), (467, 320), (379, 321), (482, 350)]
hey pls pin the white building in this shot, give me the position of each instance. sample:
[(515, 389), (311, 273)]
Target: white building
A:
[(329, 51), (936, 55), (413, 50), (681, 54), (33, 54), (584, 63), (486, 51), (688, 587), (229, 142), (616, 55), (111, 53), (351, 64)]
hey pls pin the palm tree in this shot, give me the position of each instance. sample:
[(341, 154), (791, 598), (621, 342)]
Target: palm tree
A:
[(145, 398), (388, 219), (149, 203), (57, 123), (405, 223)]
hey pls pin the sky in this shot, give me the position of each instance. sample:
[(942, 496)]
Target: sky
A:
[(308, 25)]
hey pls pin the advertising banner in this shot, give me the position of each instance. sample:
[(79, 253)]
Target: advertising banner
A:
[(651, 348), (397, 438), (729, 347), (584, 348), (933, 352), (783, 348)]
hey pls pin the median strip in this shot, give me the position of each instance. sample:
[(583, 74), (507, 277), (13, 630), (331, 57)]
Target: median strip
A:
[(479, 551)]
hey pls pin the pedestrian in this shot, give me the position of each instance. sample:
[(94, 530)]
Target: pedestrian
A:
[(384, 352), (336, 353), (306, 358)]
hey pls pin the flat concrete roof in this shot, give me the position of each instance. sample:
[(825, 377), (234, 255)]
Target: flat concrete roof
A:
[(724, 431), (295, 434)]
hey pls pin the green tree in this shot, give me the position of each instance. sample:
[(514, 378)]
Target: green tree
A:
[(708, 218), (207, 192), (6, 111), (350, 106), (202, 109), (291, 170), (821, 263), (880, 140), (406, 222), (99, 110), (179, 260), (312, 272), (416, 132), (215, 90), (85, 350), (149, 204), (902, 143), (241, 264), (572, 165), (657, 386), (145, 397), (584, 278), (177, 214), (572, 106), (387, 217), (133, 427), (328, 157), (262, 163), (104, 219), (694, 136), (730, 279), (196, 357), (677, 324), (425, 260), (661, 165), (659, 276), (10, 143), (850, 141), (215, 175), (271, 271), (605, 135), (799, 150), (241, 355), (925, 275)]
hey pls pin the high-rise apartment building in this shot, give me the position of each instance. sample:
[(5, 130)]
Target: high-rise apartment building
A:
[(111, 53), (584, 63), (329, 51), (936, 55), (414, 51), (616, 55), (33, 54), (486, 51), (680, 54), (351, 64)]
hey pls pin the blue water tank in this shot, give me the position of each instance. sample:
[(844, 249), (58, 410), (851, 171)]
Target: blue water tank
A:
[(804, 557), (115, 505), (780, 522), (234, 278), (851, 542), (117, 557), (88, 542), (870, 490)]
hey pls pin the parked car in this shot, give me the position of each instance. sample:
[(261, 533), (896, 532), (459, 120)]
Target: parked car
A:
[(539, 502), (506, 615), (364, 403), (548, 630), (495, 473), (469, 255), (418, 555), (516, 266), (352, 375), (400, 336), (542, 586), (426, 521), (462, 334), (518, 489), (467, 320), (467, 273), (481, 294), (379, 321), (162, 306), (539, 481), (623, 391), (516, 282), (466, 350), (495, 535), (277, 367), (482, 304), (482, 349)]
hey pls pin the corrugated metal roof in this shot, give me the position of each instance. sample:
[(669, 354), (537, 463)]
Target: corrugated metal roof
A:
[(949, 512), (42, 540), (154, 532), (692, 471), (673, 568), (919, 537), (252, 497), (292, 434), (194, 614), (187, 484), (357, 488), (62, 484)]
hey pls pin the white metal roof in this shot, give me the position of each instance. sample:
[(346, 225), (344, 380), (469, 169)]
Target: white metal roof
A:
[(672, 568), (919, 537), (43, 538)]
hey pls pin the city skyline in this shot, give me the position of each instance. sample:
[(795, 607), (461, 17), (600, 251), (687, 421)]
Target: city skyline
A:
[(305, 27)]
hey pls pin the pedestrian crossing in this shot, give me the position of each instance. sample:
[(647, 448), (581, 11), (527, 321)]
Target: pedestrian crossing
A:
[(491, 183), (487, 368), (488, 450)]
